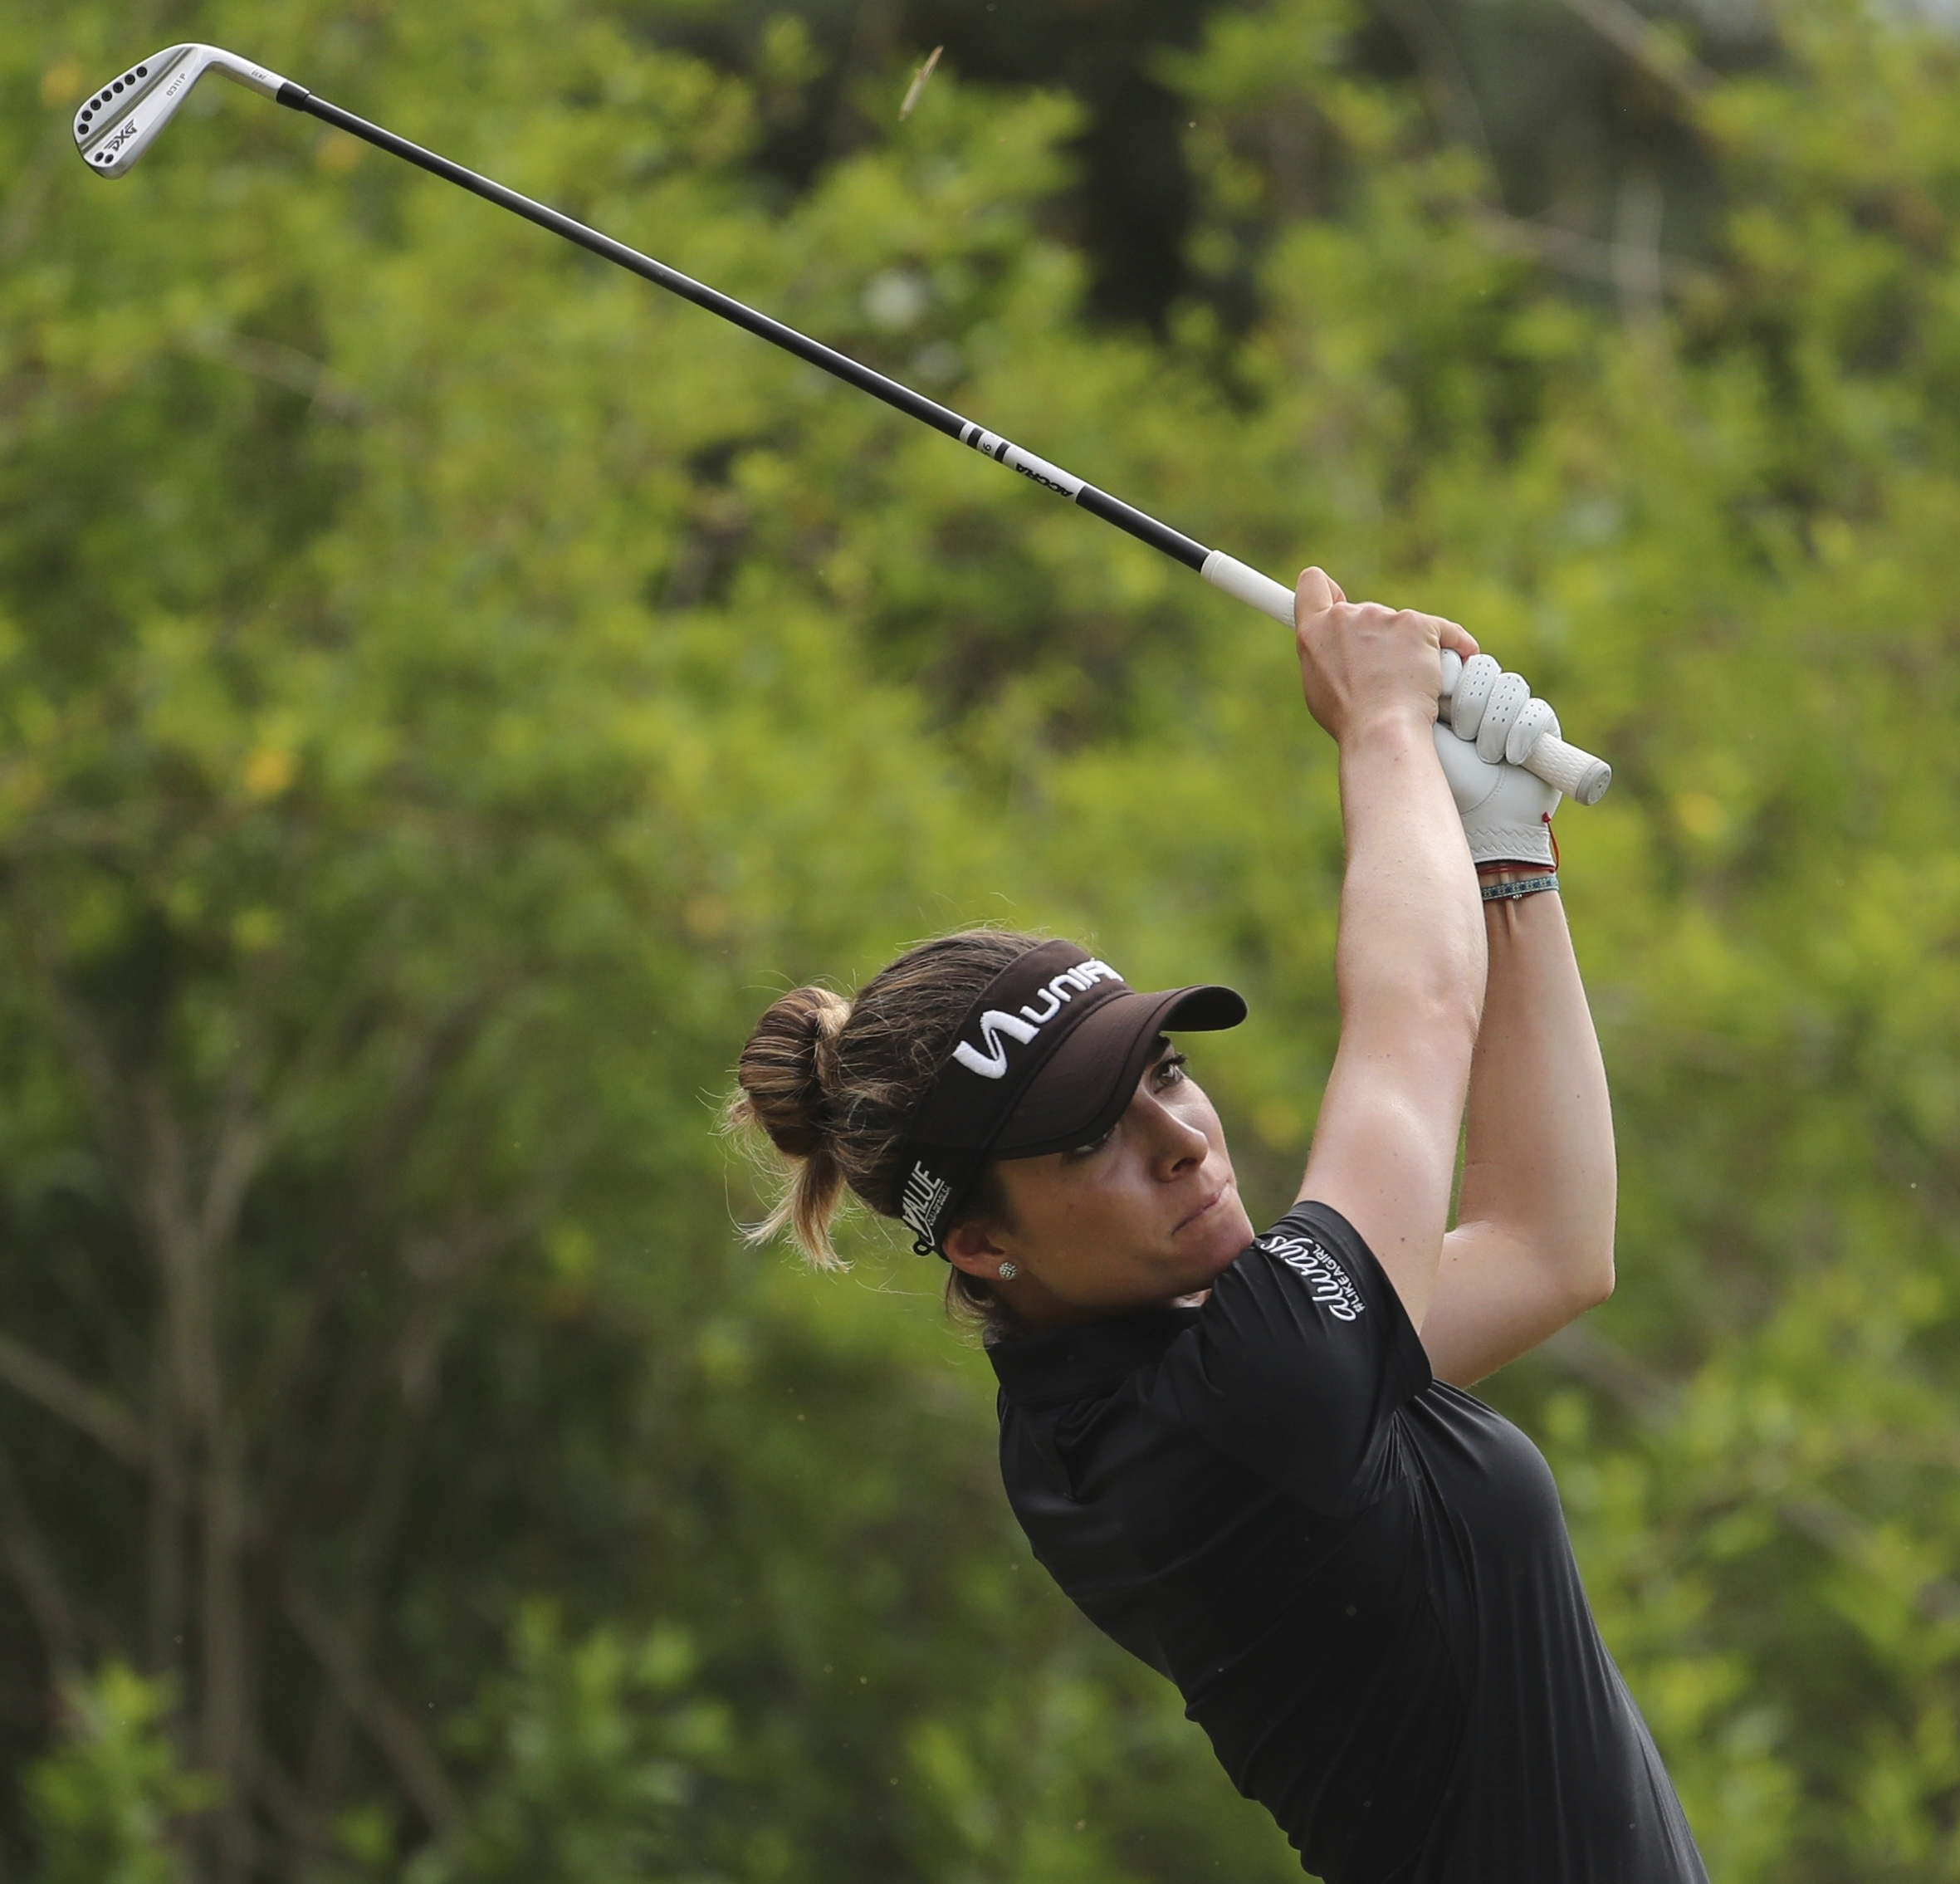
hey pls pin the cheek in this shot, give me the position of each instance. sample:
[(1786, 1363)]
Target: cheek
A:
[(1110, 1197), (1092, 1206)]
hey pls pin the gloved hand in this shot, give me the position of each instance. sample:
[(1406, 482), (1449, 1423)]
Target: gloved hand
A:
[(1494, 723)]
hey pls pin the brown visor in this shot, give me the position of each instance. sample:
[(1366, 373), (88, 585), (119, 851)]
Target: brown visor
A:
[(1047, 1058)]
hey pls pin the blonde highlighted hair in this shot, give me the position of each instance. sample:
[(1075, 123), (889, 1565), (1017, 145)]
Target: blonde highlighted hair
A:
[(834, 1084)]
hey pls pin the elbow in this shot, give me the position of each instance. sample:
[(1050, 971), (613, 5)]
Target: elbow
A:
[(1428, 1030), (1599, 1270), (1453, 991), (1444, 1008), (1589, 1280), (1455, 1016), (1599, 1284), (1572, 1273), (1433, 994)]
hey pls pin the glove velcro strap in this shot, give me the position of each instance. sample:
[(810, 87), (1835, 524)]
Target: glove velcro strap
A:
[(1511, 844)]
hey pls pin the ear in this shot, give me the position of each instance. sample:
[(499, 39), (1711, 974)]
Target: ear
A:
[(971, 1246)]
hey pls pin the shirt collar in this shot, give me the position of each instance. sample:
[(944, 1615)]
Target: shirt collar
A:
[(1082, 1363)]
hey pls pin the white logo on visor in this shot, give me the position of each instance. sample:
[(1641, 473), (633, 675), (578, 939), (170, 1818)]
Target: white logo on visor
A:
[(1022, 1027), (925, 1197)]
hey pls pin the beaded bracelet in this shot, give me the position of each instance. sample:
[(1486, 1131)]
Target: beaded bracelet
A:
[(1512, 889)]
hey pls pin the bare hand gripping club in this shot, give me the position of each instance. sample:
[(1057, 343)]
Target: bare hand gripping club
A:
[(113, 128)]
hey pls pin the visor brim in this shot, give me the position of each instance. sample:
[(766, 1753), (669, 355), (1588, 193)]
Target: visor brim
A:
[(1088, 1083)]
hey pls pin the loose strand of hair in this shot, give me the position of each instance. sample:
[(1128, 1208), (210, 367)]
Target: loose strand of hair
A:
[(810, 1205), (809, 1191)]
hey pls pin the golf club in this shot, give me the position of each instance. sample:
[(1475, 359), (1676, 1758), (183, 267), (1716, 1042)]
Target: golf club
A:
[(118, 123)]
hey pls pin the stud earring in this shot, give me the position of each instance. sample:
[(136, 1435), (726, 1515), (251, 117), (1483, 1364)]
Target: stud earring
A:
[(1009, 1271)]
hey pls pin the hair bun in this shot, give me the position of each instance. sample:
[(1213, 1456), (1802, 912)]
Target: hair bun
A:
[(789, 1066), (833, 1083)]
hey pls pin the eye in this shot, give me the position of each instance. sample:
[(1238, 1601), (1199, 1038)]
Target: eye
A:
[(1090, 1149), (1169, 1071)]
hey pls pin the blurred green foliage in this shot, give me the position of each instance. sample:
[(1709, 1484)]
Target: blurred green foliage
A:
[(109, 1806), (445, 688)]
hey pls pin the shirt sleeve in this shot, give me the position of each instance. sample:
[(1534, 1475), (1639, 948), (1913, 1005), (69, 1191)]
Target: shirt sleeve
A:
[(1299, 1361)]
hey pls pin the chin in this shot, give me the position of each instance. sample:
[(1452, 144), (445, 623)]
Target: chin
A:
[(1224, 1239), (1231, 1248)]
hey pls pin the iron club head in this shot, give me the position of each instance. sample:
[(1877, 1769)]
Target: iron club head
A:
[(118, 123)]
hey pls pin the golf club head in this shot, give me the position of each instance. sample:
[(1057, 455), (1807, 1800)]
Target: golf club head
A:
[(113, 128)]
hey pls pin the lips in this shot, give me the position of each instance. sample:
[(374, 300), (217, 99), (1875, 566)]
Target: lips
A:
[(1204, 1209)]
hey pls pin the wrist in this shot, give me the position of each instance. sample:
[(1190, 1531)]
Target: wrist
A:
[(1503, 882), (1510, 844), (1389, 728)]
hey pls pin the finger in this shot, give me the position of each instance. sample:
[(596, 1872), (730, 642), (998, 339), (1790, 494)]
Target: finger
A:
[(1473, 690), (1315, 594), (1531, 725), (1507, 701), (1457, 638)]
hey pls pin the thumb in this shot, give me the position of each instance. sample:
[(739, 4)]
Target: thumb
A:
[(1316, 594)]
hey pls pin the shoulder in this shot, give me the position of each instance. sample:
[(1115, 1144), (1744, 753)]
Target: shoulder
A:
[(1321, 1247), (1300, 1360), (1311, 1269)]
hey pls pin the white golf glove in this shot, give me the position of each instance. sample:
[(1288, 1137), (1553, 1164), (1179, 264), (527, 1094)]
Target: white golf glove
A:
[(1493, 724)]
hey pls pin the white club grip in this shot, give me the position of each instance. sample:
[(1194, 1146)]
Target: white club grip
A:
[(1569, 769), (1244, 584), (1565, 767)]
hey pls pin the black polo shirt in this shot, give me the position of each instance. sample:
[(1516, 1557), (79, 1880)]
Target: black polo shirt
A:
[(1358, 1576)]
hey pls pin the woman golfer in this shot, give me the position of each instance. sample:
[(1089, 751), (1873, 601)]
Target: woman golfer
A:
[(1251, 1459)]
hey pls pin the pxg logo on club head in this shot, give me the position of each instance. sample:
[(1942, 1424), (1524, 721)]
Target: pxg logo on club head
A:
[(113, 128)]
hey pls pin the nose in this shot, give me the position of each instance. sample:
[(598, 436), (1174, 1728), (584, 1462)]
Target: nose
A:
[(1174, 1144)]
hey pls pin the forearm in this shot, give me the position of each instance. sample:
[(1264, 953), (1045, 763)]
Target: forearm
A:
[(1538, 1169), (1409, 965), (1411, 939)]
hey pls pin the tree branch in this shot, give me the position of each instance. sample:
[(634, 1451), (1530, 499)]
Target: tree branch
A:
[(1452, 97), (285, 366), (1656, 51), (396, 1736), (1585, 258), (49, 1384), (34, 1570), (414, 1089)]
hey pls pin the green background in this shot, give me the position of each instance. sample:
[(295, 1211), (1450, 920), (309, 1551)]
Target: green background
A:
[(447, 688)]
